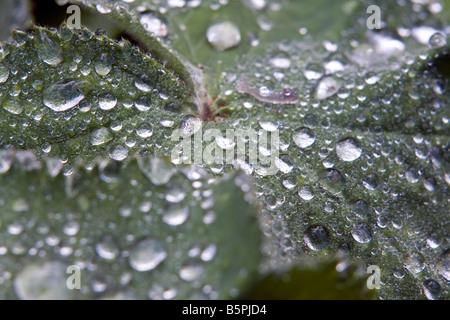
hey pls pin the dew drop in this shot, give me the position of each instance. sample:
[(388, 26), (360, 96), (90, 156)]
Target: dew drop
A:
[(107, 248), (176, 215), (118, 153), (144, 131), (100, 136), (142, 104), (361, 233), (432, 289), (437, 40), (147, 254), (48, 50), (107, 101), (4, 73), (304, 137), (103, 65), (154, 25), (224, 35), (191, 271), (144, 84), (62, 96), (326, 88), (306, 194), (443, 264), (12, 106), (317, 238), (348, 150), (415, 263)]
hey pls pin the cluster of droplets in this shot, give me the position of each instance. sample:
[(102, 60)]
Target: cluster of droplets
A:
[(158, 250)]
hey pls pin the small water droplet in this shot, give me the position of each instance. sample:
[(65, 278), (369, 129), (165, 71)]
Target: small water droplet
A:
[(103, 65), (362, 233), (13, 106), (317, 238), (432, 289), (147, 254), (100, 136), (107, 101), (118, 153), (144, 131), (304, 137), (223, 35), (4, 73), (191, 271), (47, 49), (176, 215), (415, 263), (306, 194), (326, 88), (348, 150), (107, 248), (154, 25)]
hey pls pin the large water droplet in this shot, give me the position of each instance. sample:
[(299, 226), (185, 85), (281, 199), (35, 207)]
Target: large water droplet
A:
[(47, 49), (154, 25), (147, 254), (317, 238), (223, 35), (304, 137), (348, 150), (62, 96), (415, 263)]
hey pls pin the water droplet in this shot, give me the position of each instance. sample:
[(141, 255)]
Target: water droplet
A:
[(107, 101), (415, 263), (269, 126), (144, 83), (101, 136), (326, 88), (4, 73), (107, 248), (423, 34), (103, 65), (443, 264), (189, 125), (147, 254), (209, 253), (154, 25), (142, 104), (159, 171), (71, 228), (362, 233), (306, 194), (304, 137), (332, 181), (225, 143), (118, 153), (103, 9), (176, 215), (45, 281), (432, 289), (223, 35), (13, 106), (144, 131), (333, 66), (62, 96), (47, 49), (348, 150), (191, 271), (437, 40), (175, 195), (317, 238), (6, 158)]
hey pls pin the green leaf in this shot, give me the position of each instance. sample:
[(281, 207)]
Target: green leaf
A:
[(181, 235), (80, 96), (323, 280)]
